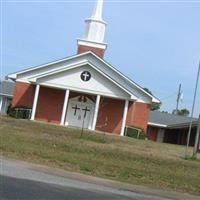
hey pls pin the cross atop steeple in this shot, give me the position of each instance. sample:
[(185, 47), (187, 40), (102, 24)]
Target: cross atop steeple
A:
[(95, 32)]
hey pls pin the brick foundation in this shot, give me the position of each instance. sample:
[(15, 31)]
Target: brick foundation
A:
[(50, 105), (23, 95)]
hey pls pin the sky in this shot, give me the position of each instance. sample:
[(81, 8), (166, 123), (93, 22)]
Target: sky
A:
[(154, 43)]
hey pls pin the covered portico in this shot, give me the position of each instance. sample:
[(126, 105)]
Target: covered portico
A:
[(81, 110), (82, 90)]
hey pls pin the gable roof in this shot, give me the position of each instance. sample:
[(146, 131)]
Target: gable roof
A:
[(167, 120), (6, 88), (125, 81), (77, 66)]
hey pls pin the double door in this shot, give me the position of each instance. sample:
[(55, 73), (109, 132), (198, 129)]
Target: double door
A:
[(79, 114)]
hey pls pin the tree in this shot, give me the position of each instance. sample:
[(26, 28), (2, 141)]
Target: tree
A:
[(153, 106), (182, 112), (165, 112)]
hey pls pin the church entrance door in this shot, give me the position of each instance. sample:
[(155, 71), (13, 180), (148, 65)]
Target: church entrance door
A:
[(80, 112)]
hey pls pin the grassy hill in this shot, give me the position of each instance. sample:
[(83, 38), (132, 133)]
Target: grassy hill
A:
[(103, 155)]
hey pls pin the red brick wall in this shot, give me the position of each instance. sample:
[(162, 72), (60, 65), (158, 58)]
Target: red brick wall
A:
[(50, 105), (110, 110), (152, 133), (99, 52), (130, 114), (23, 95), (138, 115)]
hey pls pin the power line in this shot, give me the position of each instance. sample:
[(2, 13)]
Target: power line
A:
[(171, 95)]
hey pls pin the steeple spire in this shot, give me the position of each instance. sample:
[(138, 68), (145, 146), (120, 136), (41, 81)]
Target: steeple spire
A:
[(95, 32), (97, 14)]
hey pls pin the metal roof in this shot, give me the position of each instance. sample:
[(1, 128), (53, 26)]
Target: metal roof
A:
[(162, 119), (6, 88)]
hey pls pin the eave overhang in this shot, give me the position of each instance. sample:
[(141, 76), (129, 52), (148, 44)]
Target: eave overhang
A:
[(155, 100)]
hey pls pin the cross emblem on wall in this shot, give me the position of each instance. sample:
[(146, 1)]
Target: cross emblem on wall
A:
[(86, 110), (85, 76), (75, 109)]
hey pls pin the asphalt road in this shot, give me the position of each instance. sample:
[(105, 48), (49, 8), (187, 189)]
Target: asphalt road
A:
[(19, 181), (14, 188)]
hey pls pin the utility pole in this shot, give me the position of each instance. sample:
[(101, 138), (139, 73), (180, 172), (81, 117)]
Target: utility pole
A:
[(178, 99), (196, 144), (193, 105)]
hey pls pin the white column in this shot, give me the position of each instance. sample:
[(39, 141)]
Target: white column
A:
[(96, 112), (37, 89), (124, 117), (1, 103), (64, 107)]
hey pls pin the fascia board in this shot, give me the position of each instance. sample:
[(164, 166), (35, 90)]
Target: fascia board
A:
[(35, 79), (6, 95), (157, 125), (154, 99), (65, 68), (14, 75), (79, 90)]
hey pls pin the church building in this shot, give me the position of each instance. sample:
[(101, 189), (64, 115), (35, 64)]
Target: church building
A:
[(84, 90)]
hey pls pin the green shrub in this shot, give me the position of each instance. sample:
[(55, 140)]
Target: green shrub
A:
[(135, 133), (19, 112)]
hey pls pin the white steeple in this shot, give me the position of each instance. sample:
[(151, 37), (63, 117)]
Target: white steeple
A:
[(95, 29), (97, 14)]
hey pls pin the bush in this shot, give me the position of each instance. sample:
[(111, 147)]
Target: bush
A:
[(135, 133), (19, 112)]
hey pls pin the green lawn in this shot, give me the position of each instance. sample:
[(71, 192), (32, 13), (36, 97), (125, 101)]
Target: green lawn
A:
[(118, 158)]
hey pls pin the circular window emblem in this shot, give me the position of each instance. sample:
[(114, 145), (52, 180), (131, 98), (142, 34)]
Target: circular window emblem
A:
[(85, 76)]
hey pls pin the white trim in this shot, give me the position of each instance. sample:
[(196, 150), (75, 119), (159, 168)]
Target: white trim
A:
[(52, 72), (82, 90), (14, 75), (155, 124), (129, 80), (109, 78), (82, 64), (1, 104), (37, 90), (64, 107), (22, 81), (96, 112), (172, 126), (124, 117), (88, 43), (7, 95)]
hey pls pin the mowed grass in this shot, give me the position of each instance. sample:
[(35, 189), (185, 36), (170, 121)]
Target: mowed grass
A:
[(118, 158)]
